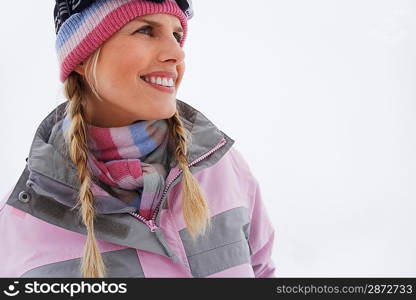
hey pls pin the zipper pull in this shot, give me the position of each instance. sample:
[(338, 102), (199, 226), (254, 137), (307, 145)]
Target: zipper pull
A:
[(151, 224)]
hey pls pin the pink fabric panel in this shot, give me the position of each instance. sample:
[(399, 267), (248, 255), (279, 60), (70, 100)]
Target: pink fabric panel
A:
[(261, 261), (172, 236), (30, 242), (240, 271), (17, 212), (227, 184), (261, 238), (155, 265)]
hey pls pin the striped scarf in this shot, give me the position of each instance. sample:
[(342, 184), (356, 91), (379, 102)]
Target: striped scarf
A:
[(130, 162)]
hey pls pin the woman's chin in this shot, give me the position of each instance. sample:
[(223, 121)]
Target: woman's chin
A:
[(165, 111), (169, 114)]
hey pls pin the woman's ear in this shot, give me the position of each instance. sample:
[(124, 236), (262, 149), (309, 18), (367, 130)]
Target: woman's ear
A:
[(80, 69)]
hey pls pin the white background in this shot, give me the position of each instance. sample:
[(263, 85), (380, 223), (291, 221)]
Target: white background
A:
[(318, 95)]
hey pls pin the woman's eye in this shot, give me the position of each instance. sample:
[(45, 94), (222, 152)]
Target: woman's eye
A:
[(178, 37), (148, 30), (144, 29)]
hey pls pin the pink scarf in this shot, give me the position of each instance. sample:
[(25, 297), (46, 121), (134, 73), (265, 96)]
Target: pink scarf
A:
[(130, 162)]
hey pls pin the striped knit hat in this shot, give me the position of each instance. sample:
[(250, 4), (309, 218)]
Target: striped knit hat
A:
[(82, 26)]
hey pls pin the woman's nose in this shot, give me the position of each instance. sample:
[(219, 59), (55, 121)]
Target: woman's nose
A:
[(172, 51)]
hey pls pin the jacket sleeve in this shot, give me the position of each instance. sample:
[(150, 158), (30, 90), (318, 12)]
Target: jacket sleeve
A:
[(261, 237), (261, 231)]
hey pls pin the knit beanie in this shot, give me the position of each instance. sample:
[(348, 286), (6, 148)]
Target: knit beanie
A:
[(82, 26)]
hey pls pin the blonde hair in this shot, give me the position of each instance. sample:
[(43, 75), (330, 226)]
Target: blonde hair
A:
[(194, 206)]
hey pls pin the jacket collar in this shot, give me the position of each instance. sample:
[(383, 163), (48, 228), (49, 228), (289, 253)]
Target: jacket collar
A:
[(53, 174)]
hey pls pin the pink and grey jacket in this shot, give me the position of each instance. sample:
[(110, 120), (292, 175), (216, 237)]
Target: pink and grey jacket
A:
[(41, 236)]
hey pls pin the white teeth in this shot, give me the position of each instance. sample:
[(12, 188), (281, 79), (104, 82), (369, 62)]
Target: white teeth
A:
[(160, 81)]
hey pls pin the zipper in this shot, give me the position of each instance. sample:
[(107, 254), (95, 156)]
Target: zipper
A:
[(151, 223)]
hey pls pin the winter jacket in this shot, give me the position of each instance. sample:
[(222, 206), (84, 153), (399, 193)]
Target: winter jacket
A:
[(41, 236)]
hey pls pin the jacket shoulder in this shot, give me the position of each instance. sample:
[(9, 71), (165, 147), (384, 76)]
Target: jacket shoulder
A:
[(229, 183), (242, 169)]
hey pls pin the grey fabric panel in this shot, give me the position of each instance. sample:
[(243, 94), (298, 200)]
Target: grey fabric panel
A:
[(219, 259), (48, 154), (205, 135), (246, 229), (224, 246), (122, 229), (66, 195), (119, 263)]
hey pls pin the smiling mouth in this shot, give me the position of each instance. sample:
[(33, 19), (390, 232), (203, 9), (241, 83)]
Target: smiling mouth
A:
[(149, 81), (163, 88)]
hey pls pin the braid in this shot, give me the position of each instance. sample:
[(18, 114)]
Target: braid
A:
[(92, 264), (194, 206)]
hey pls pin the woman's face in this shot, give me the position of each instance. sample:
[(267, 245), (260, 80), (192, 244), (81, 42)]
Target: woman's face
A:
[(143, 46)]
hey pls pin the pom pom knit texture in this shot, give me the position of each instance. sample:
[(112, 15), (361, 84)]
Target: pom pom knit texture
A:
[(82, 33)]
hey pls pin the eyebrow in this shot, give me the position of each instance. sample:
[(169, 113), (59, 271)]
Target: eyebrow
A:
[(179, 29)]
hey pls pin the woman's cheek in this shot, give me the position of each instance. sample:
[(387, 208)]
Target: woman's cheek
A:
[(181, 71)]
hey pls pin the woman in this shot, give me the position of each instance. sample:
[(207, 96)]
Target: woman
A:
[(123, 179)]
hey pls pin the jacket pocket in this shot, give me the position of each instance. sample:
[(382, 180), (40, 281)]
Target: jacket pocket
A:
[(223, 246)]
